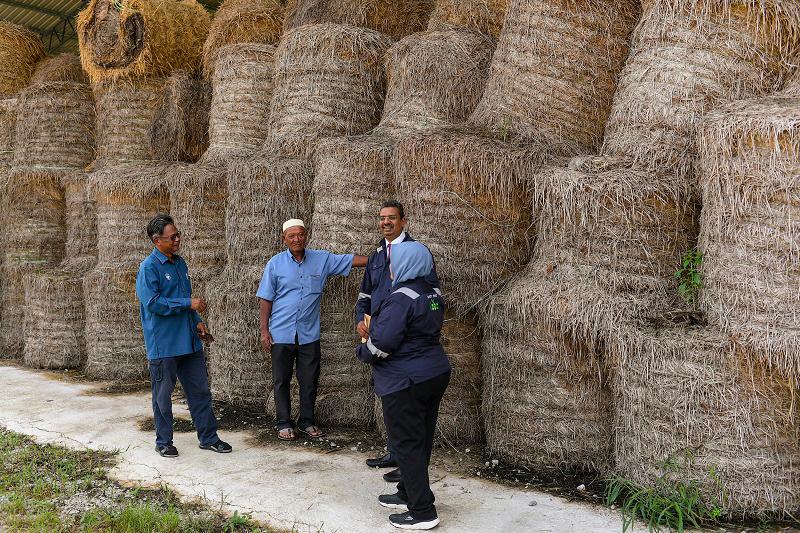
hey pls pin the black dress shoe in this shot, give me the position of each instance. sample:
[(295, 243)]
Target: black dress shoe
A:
[(168, 451), (393, 476), (382, 462)]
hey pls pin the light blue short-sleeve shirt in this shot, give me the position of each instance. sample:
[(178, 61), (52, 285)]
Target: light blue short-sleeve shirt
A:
[(295, 290)]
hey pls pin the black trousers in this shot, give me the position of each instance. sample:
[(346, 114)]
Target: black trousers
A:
[(410, 416), (307, 358)]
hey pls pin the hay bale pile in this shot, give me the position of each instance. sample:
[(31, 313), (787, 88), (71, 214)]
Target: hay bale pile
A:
[(262, 194), (485, 16), (134, 39), (241, 22), (329, 81), (396, 18), (20, 50), (179, 131), (688, 409), (686, 58), (242, 91), (127, 197), (64, 67), (750, 228)]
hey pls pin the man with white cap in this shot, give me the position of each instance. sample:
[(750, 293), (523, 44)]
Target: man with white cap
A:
[(289, 296)]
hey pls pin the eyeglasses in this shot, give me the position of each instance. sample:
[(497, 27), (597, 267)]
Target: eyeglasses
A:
[(174, 237)]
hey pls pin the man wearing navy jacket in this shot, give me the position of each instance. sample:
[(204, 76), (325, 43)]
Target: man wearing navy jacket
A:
[(375, 286), (411, 373)]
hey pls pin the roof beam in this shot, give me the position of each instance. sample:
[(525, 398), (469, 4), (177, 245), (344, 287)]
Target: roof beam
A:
[(29, 7)]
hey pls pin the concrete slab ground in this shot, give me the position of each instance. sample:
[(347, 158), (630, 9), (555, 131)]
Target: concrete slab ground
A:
[(282, 487)]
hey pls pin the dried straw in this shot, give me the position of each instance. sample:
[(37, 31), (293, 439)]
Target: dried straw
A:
[(125, 112), (242, 90), (688, 57), (329, 81), (12, 318), (750, 226), (20, 50), (241, 21), (141, 38), (434, 78), (485, 16), (396, 18), (572, 52), (80, 250), (65, 67), (179, 131), (688, 410), (8, 120)]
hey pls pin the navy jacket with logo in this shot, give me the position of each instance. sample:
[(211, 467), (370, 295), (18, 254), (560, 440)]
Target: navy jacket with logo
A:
[(376, 284), (403, 345)]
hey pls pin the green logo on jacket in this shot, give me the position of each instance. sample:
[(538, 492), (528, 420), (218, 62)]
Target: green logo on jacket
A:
[(434, 305)]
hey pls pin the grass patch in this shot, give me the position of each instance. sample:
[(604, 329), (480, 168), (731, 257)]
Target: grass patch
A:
[(46, 488)]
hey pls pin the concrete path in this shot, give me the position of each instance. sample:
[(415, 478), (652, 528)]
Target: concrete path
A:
[(283, 487)]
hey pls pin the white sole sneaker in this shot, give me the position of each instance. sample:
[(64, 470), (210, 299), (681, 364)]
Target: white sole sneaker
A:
[(400, 506), (430, 524)]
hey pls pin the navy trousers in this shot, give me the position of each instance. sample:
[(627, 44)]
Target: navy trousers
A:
[(191, 370), (307, 358)]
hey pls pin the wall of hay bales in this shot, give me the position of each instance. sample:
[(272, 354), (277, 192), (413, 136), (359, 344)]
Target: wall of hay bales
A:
[(558, 157)]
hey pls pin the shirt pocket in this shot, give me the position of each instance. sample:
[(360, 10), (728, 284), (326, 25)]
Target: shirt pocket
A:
[(316, 283)]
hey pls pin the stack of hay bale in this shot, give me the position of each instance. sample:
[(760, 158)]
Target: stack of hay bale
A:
[(54, 140), (20, 50), (612, 230), (476, 177), (128, 48), (485, 16), (328, 82)]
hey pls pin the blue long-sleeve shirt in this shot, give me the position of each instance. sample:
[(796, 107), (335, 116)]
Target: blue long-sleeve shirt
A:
[(164, 290), (403, 345), (376, 283)]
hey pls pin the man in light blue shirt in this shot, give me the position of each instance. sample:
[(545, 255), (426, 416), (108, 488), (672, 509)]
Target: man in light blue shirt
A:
[(290, 293), (173, 334)]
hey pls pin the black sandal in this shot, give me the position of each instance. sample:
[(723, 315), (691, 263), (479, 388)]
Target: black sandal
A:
[(313, 432)]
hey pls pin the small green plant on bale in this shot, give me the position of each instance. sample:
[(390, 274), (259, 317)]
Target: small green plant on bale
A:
[(670, 504), (690, 280)]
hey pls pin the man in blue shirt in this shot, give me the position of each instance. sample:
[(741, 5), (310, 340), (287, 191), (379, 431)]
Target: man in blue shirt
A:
[(290, 293), (173, 334)]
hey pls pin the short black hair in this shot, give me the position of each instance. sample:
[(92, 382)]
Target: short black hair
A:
[(157, 225), (397, 205)]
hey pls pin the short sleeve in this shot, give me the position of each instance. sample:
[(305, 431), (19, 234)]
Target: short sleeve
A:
[(266, 288), (338, 265)]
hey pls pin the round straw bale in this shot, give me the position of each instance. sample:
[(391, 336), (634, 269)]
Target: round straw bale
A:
[(242, 21), (116, 349), (262, 194), (127, 197), (750, 226), (686, 58), (12, 318), (8, 120), (541, 408), (572, 52), (396, 18), (242, 90), (329, 81), (434, 78), (198, 194), (20, 50), (80, 250), (125, 112), (64, 67), (179, 131), (141, 38), (476, 184), (55, 128), (239, 370), (485, 16), (687, 410), (54, 320)]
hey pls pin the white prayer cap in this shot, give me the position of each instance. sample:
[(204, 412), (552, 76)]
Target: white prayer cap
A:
[(293, 222)]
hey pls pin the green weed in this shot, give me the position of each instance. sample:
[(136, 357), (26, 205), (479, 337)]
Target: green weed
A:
[(690, 281)]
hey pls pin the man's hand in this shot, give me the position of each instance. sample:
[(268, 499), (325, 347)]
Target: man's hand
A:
[(202, 332), (363, 330), (266, 341), (199, 305)]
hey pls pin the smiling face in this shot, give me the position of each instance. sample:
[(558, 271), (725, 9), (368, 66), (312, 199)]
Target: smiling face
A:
[(169, 242), (390, 223), (295, 239)]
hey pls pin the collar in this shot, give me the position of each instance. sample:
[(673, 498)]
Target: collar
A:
[(293, 260), (400, 238), (162, 258)]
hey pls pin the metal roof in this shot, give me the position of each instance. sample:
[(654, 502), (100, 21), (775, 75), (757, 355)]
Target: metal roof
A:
[(54, 20)]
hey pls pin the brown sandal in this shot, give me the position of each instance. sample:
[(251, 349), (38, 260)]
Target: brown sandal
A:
[(313, 432), (286, 434)]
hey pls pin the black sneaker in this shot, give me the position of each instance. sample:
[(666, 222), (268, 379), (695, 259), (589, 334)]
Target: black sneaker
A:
[(220, 447), (168, 451), (382, 462), (393, 476), (393, 501), (406, 521)]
